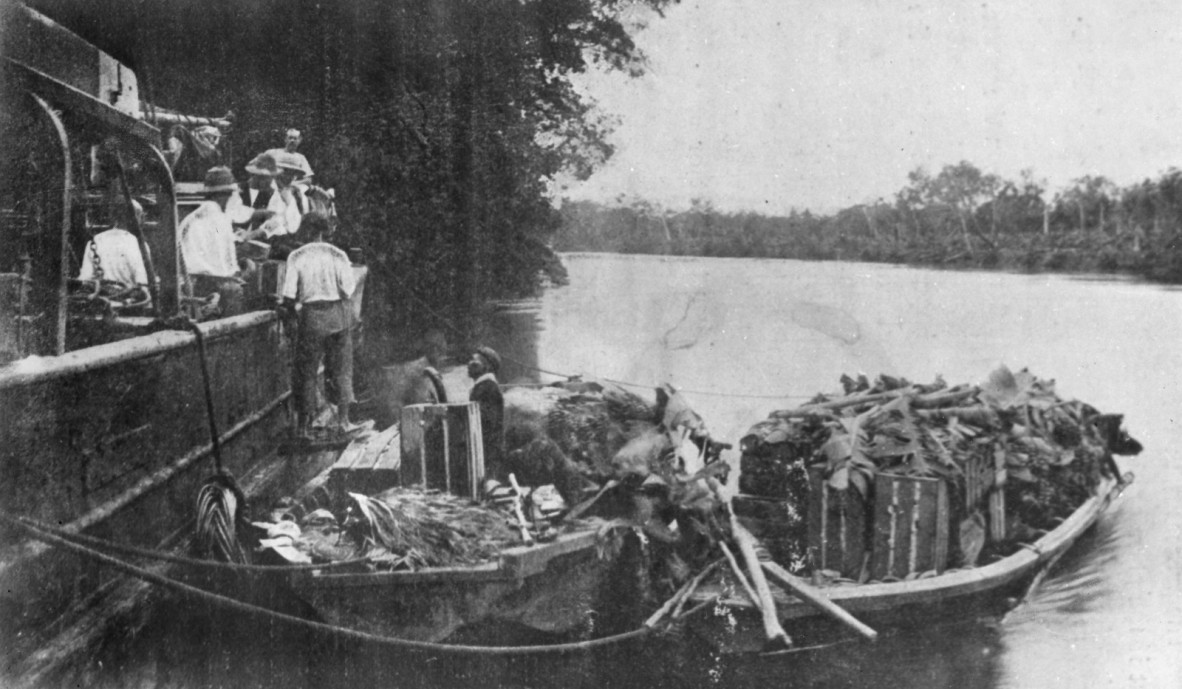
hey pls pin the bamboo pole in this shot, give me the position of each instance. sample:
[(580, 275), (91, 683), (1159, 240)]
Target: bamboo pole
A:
[(674, 605), (927, 401), (738, 572), (776, 636), (810, 595)]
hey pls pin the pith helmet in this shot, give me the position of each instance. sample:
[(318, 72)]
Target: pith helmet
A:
[(263, 164)]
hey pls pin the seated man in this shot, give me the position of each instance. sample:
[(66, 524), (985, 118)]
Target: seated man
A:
[(114, 256), (320, 280), (207, 244), (258, 208)]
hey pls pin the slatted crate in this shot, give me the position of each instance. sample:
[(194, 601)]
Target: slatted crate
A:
[(985, 479), (442, 448), (910, 526), (837, 527)]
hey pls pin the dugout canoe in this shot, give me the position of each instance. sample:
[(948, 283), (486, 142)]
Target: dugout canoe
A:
[(984, 591)]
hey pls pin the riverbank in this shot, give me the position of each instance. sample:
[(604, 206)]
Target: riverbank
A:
[(1149, 251)]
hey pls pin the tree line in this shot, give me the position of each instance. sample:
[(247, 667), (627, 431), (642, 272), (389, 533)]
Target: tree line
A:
[(960, 216), (438, 122)]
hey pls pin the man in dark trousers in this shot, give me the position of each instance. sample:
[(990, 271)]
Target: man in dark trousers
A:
[(483, 369), (320, 279)]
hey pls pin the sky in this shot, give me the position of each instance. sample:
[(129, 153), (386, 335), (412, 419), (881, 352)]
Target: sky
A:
[(770, 105)]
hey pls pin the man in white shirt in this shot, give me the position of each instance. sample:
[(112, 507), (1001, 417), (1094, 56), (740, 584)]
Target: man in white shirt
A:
[(291, 142), (320, 280), (294, 203), (207, 244), (114, 255)]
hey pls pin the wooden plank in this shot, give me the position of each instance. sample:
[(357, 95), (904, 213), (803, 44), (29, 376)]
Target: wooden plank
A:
[(413, 446), (316, 579), (523, 561)]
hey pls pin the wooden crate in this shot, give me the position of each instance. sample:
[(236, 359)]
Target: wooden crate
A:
[(369, 466), (985, 479), (910, 526), (837, 522), (442, 448)]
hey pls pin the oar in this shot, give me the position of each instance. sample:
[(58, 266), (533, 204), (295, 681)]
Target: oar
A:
[(796, 586)]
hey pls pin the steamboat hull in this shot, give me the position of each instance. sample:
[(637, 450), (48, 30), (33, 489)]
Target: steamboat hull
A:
[(114, 441)]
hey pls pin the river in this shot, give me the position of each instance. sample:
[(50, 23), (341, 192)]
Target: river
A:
[(742, 337)]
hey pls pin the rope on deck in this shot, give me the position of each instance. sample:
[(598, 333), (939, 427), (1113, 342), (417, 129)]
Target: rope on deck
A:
[(333, 630)]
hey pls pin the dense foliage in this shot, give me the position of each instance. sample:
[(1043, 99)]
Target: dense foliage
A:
[(438, 122), (958, 217)]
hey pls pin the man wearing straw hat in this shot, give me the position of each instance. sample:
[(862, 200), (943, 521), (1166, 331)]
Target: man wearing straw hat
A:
[(258, 205), (295, 205), (207, 243)]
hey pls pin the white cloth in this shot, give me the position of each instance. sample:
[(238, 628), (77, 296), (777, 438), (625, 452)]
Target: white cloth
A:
[(119, 257), (289, 211), (281, 222), (318, 272), (207, 242)]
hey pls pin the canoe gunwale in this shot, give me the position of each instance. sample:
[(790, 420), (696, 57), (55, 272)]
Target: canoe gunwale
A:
[(515, 564)]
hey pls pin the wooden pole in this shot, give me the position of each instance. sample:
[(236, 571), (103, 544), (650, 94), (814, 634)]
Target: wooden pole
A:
[(777, 638), (738, 572), (812, 596), (524, 525)]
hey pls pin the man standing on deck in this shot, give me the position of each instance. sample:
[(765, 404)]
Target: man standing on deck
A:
[(207, 244), (320, 280), (483, 368)]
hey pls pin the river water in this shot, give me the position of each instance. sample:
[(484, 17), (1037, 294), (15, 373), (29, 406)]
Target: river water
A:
[(743, 337)]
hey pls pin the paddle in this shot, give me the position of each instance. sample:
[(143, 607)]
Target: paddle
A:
[(796, 586)]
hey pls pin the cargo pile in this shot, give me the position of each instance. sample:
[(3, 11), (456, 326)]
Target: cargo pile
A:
[(965, 472)]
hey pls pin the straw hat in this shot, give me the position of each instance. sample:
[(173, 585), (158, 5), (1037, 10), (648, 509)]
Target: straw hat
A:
[(263, 164), (219, 179)]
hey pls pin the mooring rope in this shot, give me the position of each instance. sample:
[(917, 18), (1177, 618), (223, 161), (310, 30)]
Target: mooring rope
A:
[(123, 549), (333, 630)]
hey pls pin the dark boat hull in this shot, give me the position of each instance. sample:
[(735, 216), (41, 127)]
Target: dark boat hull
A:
[(960, 594), (551, 587)]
